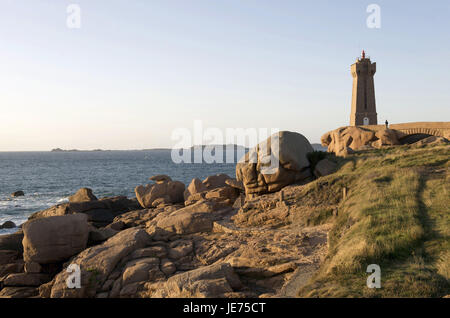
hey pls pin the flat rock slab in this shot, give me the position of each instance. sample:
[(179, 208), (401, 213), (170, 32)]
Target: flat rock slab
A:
[(18, 292), (26, 279), (299, 278)]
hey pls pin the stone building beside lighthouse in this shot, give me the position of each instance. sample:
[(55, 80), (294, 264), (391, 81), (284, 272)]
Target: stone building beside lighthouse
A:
[(364, 110)]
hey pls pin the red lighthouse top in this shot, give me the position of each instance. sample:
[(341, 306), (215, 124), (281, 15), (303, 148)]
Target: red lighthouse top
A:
[(363, 54)]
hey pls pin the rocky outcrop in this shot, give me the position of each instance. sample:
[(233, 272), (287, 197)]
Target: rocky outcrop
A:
[(54, 239), (199, 250), (213, 188), (210, 247), (163, 192), (432, 140), (210, 281), (286, 151), (100, 212), (344, 140), (98, 262), (82, 195)]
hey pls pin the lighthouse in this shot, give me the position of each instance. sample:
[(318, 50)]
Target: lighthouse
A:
[(364, 110)]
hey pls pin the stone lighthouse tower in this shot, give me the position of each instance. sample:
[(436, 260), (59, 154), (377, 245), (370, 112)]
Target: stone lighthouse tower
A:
[(364, 111)]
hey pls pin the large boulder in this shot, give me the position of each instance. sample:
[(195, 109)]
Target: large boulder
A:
[(8, 225), (98, 262), (54, 239), (346, 139), (275, 163), (151, 194), (82, 195)]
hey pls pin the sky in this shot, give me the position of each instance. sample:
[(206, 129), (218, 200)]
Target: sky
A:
[(138, 70)]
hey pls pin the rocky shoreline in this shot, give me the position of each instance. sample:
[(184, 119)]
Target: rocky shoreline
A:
[(248, 236), (172, 240), (204, 249)]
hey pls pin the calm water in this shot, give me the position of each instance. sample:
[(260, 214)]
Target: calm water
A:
[(48, 178)]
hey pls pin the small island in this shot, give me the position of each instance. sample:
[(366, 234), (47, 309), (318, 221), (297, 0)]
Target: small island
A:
[(74, 150)]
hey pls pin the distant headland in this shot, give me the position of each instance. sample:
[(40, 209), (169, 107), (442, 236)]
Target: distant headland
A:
[(316, 146), (74, 150)]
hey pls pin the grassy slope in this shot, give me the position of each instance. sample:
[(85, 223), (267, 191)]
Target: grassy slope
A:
[(396, 214)]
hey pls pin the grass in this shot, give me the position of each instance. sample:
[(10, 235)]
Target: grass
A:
[(319, 216), (396, 214)]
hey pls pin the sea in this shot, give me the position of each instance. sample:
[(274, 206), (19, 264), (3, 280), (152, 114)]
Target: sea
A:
[(49, 178)]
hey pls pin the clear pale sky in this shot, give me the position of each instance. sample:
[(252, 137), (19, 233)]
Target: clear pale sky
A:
[(138, 69)]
